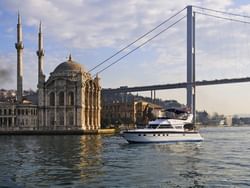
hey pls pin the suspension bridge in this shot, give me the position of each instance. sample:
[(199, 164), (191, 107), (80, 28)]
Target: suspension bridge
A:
[(191, 82)]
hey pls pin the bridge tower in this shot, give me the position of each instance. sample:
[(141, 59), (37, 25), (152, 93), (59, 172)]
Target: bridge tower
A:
[(191, 59)]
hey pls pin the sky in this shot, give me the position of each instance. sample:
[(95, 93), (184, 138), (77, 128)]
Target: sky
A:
[(93, 30)]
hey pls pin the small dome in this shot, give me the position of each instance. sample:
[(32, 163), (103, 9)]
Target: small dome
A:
[(69, 66)]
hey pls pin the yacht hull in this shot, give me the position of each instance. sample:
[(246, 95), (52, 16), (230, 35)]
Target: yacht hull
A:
[(161, 137)]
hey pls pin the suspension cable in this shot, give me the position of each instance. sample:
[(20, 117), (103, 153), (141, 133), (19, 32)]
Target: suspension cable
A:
[(222, 12), (142, 36), (224, 18), (141, 45)]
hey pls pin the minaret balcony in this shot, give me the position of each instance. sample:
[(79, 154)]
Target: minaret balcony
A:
[(40, 53), (19, 46)]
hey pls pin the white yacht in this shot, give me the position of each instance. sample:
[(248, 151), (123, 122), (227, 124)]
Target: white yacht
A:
[(178, 128)]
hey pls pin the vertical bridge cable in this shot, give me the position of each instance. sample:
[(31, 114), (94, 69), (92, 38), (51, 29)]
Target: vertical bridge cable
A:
[(141, 45), (144, 35)]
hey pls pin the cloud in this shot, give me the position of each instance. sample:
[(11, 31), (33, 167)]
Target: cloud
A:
[(7, 70), (4, 75), (95, 29), (92, 25)]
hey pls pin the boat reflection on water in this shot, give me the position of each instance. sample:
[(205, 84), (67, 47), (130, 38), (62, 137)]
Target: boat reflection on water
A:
[(189, 149), (179, 155)]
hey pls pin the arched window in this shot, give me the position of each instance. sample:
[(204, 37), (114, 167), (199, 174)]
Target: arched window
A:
[(61, 98), (71, 98), (52, 99)]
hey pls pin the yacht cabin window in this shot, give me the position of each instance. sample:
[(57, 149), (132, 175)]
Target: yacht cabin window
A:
[(160, 126), (153, 126), (165, 126)]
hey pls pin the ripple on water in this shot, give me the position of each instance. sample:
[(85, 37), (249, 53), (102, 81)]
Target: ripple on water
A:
[(222, 160)]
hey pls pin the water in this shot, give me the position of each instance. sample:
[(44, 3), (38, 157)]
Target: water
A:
[(222, 160)]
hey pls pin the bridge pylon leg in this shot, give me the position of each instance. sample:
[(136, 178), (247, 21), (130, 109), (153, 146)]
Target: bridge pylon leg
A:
[(191, 60)]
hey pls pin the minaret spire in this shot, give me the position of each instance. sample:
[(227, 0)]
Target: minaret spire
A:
[(19, 18), (40, 54), (40, 27), (19, 48)]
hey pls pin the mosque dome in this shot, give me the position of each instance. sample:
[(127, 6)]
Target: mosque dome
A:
[(69, 65)]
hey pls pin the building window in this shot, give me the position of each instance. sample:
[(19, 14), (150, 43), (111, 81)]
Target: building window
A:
[(71, 119), (10, 122), (61, 119), (61, 98), (52, 99), (52, 120), (71, 98)]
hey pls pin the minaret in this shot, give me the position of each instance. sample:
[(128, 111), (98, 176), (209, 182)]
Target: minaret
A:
[(40, 54), (41, 81), (19, 48)]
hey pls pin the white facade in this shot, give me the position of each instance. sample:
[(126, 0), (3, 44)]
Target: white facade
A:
[(68, 100)]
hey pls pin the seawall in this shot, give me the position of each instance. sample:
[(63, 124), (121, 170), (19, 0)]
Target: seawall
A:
[(57, 132)]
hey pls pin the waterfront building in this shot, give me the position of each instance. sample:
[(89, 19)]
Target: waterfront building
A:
[(126, 109), (117, 109), (68, 100)]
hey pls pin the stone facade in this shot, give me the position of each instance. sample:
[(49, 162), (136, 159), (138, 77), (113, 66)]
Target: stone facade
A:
[(68, 100)]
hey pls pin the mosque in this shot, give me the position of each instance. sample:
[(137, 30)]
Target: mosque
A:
[(68, 100)]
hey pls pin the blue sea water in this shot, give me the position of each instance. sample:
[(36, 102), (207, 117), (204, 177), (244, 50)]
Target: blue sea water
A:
[(222, 160)]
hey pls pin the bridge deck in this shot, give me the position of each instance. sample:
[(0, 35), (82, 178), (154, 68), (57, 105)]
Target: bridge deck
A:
[(175, 85)]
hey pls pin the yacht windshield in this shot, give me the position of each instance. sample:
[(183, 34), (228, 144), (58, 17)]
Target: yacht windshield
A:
[(153, 126), (172, 115), (160, 126)]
